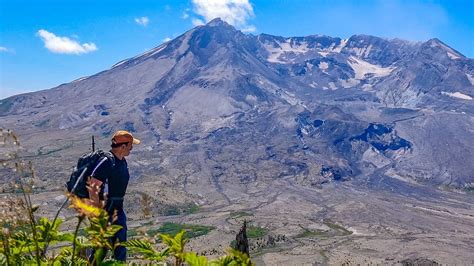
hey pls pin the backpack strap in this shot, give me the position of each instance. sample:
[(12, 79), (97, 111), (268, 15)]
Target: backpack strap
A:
[(107, 155), (99, 164), (111, 157)]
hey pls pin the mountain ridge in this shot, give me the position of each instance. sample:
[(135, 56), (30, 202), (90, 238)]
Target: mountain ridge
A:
[(213, 78), (218, 21)]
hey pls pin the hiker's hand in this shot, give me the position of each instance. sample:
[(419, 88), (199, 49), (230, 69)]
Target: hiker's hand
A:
[(96, 203), (93, 186)]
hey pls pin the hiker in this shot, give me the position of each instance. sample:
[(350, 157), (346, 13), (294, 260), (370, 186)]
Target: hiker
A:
[(116, 175)]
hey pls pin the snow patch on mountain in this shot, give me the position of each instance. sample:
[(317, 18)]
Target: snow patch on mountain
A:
[(152, 51), (79, 79), (361, 68), (349, 83), (470, 77), (453, 55), (285, 47), (449, 51), (147, 54), (323, 66), (274, 55), (338, 49), (457, 94), (367, 87), (120, 63), (157, 50), (362, 51)]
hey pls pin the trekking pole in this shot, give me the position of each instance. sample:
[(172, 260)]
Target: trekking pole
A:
[(72, 192), (62, 206), (93, 143), (67, 198)]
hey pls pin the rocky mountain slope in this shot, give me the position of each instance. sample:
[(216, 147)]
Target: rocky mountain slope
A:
[(216, 106)]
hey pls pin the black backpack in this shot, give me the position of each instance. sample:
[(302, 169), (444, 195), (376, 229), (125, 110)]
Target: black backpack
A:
[(86, 164)]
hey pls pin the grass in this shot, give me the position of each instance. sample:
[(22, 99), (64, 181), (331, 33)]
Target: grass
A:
[(172, 210), (177, 210), (233, 244), (53, 150), (239, 214), (256, 232), (172, 229), (147, 223), (192, 208), (311, 233), (337, 227), (132, 233)]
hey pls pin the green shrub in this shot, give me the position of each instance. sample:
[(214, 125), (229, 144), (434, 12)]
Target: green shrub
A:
[(311, 233), (337, 227), (239, 214), (172, 229), (256, 232), (172, 210), (192, 208)]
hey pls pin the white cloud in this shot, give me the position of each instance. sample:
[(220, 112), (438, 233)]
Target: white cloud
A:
[(185, 15), (142, 21), (64, 45), (6, 50), (197, 22), (234, 12), (249, 28), (167, 39)]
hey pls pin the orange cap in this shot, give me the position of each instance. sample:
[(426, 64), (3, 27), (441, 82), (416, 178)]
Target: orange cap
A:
[(123, 136)]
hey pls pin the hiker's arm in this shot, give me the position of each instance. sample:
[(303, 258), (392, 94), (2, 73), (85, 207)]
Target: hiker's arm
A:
[(93, 187), (97, 180)]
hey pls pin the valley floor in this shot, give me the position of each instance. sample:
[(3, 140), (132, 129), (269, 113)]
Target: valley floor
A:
[(341, 223)]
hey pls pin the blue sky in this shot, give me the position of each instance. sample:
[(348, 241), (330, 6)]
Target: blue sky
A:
[(46, 43)]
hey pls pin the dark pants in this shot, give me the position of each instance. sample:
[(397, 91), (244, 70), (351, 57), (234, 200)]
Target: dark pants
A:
[(120, 252)]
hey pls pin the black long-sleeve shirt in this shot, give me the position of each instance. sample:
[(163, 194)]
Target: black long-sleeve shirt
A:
[(117, 177)]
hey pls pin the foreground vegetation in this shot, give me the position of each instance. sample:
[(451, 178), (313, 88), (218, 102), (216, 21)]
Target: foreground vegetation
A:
[(41, 242), (30, 240)]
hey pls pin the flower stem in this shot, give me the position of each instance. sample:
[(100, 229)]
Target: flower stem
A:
[(81, 218)]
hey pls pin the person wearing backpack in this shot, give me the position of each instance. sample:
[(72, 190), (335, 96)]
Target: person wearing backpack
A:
[(113, 171)]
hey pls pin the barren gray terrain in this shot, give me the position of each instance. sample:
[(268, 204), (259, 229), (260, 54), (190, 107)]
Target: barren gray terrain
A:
[(351, 150)]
